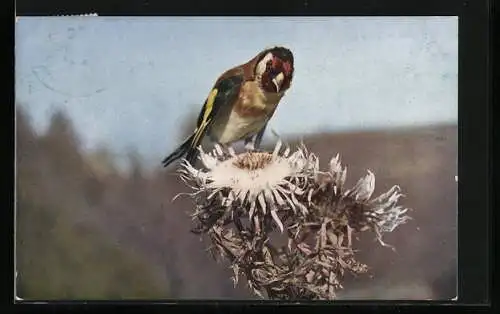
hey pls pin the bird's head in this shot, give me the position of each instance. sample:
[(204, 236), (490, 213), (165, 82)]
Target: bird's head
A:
[(274, 69)]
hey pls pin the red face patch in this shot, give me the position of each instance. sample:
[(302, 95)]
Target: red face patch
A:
[(275, 63), (287, 68)]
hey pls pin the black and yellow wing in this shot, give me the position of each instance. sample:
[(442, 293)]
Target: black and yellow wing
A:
[(224, 93)]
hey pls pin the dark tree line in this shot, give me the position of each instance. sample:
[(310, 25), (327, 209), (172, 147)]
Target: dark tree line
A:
[(60, 253)]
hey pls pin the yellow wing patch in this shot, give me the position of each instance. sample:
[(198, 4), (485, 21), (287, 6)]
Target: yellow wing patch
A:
[(208, 109), (210, 105)]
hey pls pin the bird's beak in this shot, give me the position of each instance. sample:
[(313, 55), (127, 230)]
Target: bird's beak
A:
[(278, 80)]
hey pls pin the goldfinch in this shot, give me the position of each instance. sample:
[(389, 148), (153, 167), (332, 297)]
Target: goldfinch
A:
[(241, 102)]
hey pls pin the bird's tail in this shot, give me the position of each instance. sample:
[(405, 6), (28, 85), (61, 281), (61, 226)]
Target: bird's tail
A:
[(189, 148)]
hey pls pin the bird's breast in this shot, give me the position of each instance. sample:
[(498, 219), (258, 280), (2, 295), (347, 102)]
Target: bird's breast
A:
[(252, 101), (237, 127), (252, 109)]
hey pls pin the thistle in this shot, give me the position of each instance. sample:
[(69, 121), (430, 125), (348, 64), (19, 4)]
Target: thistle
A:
[(245, 202)]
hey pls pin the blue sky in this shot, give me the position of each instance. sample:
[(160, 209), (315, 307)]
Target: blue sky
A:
[(131, 81)]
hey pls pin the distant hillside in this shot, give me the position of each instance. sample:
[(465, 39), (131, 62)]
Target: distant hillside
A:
[(142, 234)]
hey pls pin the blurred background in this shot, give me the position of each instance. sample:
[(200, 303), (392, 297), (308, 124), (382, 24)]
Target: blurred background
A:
[(101, 100)]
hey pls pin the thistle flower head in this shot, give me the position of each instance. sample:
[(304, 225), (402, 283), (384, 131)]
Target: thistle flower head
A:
[(241, 199)]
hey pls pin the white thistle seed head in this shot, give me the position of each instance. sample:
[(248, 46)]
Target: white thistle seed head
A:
[(255, 181)]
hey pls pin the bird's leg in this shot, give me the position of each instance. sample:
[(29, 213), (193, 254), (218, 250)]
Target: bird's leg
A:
[(258, 137), (252, 143)]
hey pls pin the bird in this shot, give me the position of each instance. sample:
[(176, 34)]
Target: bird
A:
[(241, 103)]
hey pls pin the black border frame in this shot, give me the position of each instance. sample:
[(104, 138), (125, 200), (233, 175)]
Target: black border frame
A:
[(475, 125)]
